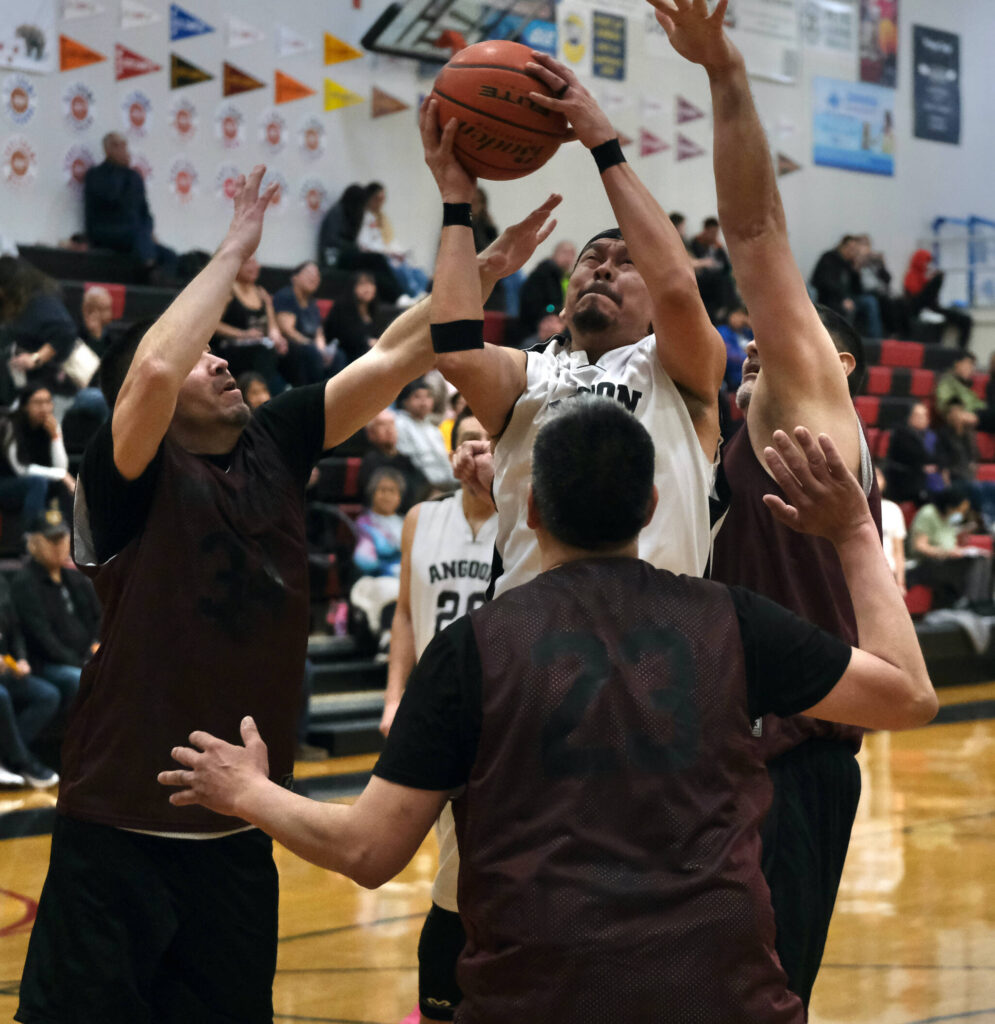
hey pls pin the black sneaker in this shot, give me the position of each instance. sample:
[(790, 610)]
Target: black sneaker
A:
[(37, 776)]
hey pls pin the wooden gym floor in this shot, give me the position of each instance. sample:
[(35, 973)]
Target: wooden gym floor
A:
[(912, 940)]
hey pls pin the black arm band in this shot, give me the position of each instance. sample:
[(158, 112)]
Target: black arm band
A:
[(456, 213), (458, 335), (608, 154)]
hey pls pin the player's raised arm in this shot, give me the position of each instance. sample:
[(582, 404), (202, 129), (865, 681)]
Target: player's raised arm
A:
[(690, 348), (802, 379), (175, 342)]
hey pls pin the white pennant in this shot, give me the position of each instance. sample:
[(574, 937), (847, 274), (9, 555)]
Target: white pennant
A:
[(241, 33), (81, 8), (289, 43), (135, 14)]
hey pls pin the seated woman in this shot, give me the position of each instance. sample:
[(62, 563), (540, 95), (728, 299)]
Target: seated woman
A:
[(922, 292), (378, 549), (350, 320), (34, 466), (376, 235), (248, 336)]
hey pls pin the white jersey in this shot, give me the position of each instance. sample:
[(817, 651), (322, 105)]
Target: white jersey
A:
[(678, 536), (450, 572)]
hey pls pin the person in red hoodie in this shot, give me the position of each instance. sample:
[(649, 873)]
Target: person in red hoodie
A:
[(923, 282)]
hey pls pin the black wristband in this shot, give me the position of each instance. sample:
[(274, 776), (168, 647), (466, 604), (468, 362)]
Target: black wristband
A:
[(457, 335), (456, 214), (608, 154)]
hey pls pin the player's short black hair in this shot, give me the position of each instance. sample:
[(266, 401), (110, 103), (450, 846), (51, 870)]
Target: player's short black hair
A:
[(607, 233), (117, 359), (464, 414), (846, 338), (592, 473), (710, 222)]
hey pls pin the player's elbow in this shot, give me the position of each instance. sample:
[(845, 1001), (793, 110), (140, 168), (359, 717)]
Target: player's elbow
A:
[(915, 706), (370, 869)]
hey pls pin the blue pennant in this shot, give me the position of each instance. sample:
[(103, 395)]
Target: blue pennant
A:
[(183, 24)]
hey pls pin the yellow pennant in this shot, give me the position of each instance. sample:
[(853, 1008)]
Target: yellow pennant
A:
[(337, 96), (337, 51)]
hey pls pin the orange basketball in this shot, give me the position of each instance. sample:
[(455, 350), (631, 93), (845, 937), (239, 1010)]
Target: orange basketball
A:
[(502, 133)]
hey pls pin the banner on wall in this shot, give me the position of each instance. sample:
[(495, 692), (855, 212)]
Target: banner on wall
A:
[(688, 149), (608, 46), (879, 42), (19, 99), (28, 37), (272, 131), (128, 64), (77, 161), (290, 43), (136, 113), (281, 197), (830, 25), (183, 120), (183, 73), (650, 143), (81, 8), (853, 126), (382, 103), (337, 96), (311, 139), (20, 162), (225, 181), (75, 55), (229, 126), (182, 180), (337, 50), (135, 14), (183, 24), (241, 33), (287, 89), (573, 29), (234, 81), (768, 34), (936, 90), (78, 108)]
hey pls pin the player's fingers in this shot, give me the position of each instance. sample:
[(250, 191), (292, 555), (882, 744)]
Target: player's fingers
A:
[(833, 458), (783, 513), (184, 755), (664, 6), (549, 78), (249, 730), (183, 798), (791, 456), (782, 473), (202, 740), (700, 7), (254, 178), (448, 136), (666, 23), (719, 14), (813, 454), (175, 777), (545, 232), (270, 194), (547, 102)]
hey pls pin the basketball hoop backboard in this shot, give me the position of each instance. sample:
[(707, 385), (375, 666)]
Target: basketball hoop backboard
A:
[(433, 30)]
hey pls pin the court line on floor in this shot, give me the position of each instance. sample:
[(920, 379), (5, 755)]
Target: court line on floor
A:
[(354, 926), (954, 1016), (909, 967)]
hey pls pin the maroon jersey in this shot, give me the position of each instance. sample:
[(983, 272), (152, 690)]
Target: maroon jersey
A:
[(205, 621), (609, 828), (798, 571)]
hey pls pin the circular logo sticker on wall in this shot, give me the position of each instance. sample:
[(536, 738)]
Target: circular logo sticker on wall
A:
[(314, 197), (77, 161), (224, 182), (140, 163), (272, 131), (311, 139), (19, 98), (20, 162), (229, 126), (136, 112), (183, 120), (78, 107), (182, 179)]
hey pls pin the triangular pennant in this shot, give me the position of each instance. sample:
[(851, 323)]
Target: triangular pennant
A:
[(182, 72), (651, 106), (336, 96), (623, 139), (183, 24), (128, 64), (75, 55), (289, 43), (241, 33), (687, 111), (785, 165), (81, 8), (135, 14), (287, 89), (383, 103), (650, 143), (337, 51), (235, 80), (687, 148)]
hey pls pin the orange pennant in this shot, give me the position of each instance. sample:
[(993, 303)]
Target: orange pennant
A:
[(383, 103), (75, 55), (287, 89), (234, 80)]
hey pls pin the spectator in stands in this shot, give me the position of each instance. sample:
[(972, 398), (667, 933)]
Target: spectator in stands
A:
[(507, 296), (377, 236), (350, 321), (545, 288), (255, 390), (27, 704), (34, 467), (550, 325), (485, 230), (299, 321), (457, 403), (893, 533), (957, 447), (737, 334), (957, 576), (97, 316), (912, 469), (420, 439), (39, 326), (836, 279), (248, 336), (116, 211), (378, 548), (956, 386), (381, 432), (875, 280), (923, 282), (57, 607), (714, 270)]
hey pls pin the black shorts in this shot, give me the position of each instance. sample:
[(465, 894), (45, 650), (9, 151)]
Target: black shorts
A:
[(135, 929), (805, 838), (442, 940)]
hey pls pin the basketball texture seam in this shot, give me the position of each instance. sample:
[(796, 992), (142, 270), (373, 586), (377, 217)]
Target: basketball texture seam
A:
[(495, 117)]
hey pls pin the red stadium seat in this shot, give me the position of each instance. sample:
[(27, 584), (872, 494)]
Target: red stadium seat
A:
[(986, 472), (117, 296), (884, 442), (975, 540), (868, 407), (902, 353), (873, 440), (879, 380), (979, 385), (908, 511), (986, 446), (324, 306), (918, 599), (923, 383), (494, 322)]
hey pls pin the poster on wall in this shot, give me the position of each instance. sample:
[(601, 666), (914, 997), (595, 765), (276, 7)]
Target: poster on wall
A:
[(28, 40), (879, 42), (183, 120), (136, 114), (183, 179), (830, 25), (78, 107), (19, 99), (936, 92), (229, 126), (272, 131), (311, 139), (608, 46), (314, 197), (19, 161), (573, 25), (853, 126), (77, 161)]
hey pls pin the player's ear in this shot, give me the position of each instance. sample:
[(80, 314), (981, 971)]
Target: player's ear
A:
[(849, 363), (532, 520), (654, 498)]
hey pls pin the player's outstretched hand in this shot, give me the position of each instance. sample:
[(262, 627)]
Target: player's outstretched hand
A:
[(514, 247), (455, 183), (695, 34), (246, 226), (590, 123), (473, 466), (218, 773), (824, 497)]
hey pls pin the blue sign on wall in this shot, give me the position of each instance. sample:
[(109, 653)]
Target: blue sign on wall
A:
[(608, 46), (853, 126)]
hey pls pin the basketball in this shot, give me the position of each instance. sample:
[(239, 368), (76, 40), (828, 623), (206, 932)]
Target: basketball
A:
[(502, 133)]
